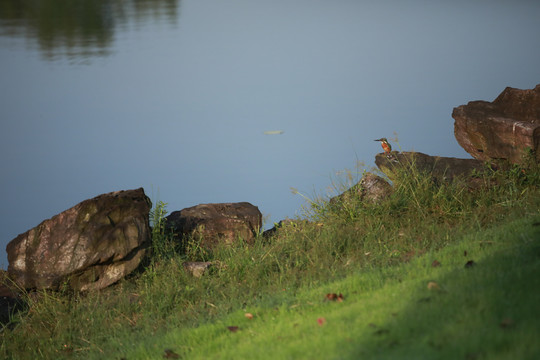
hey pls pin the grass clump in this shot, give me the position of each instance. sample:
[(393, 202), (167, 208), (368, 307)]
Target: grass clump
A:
[(378, 255)]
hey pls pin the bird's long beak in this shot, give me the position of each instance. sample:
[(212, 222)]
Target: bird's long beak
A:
[(378, 140)]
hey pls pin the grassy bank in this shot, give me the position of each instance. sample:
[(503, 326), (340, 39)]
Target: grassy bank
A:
[(379, 256), (415, 310)]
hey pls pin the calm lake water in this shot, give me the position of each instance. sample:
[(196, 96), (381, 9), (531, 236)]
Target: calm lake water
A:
[(176, 96)]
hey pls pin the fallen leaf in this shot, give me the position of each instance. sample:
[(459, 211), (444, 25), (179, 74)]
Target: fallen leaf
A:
[(472, 356), (470, 264), (169, 354), (334, 297), (435, 263), (249, 315), (233, 328), (273, 132), (321, 321), (507, 323), (432, 285)]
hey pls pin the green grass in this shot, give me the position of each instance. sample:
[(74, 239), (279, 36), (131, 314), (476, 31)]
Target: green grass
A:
[(485, 311), (378, 255)]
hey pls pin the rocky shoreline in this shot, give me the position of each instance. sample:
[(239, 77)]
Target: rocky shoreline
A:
[(102, 240)]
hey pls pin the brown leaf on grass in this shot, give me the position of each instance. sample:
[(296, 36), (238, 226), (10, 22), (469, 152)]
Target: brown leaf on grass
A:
[(435, 263), (472, 356), (334, 297), (381, 332), (233, 328), (409, 255), (507, 323), (248, 316), (470, 264), (432, 285), (169, 354), (321, 321)]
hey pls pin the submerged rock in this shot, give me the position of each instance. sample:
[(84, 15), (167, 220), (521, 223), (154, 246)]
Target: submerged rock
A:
[(90, 246)]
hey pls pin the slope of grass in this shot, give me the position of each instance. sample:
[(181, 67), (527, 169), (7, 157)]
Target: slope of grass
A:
[(378, 255), (486, 310)]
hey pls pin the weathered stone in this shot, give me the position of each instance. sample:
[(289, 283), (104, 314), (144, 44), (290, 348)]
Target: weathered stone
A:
[(217, 223), (441, 169), (502, 129), (90, 246), (197, 268), (371, 188)]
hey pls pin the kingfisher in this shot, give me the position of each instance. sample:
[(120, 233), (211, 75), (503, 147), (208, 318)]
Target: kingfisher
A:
[(385, 145)]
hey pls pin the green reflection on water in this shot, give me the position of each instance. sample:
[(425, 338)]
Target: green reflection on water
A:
[(79, 28)]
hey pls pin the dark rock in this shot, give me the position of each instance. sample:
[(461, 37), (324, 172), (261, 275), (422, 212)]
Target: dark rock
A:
[(502, 129), (441, 169), (287, 224), (10, 299), (217, 223), (371, 188), (10, 304), (88, 247)]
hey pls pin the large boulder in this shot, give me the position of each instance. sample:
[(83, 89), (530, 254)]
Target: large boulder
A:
[(502, 129), (441, 169), (88, 247), (217, 223)]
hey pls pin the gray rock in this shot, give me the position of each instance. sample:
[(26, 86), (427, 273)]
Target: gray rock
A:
[(90, 246)]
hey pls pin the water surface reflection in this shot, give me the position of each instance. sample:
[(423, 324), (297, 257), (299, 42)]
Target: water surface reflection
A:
[(79, 28)]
